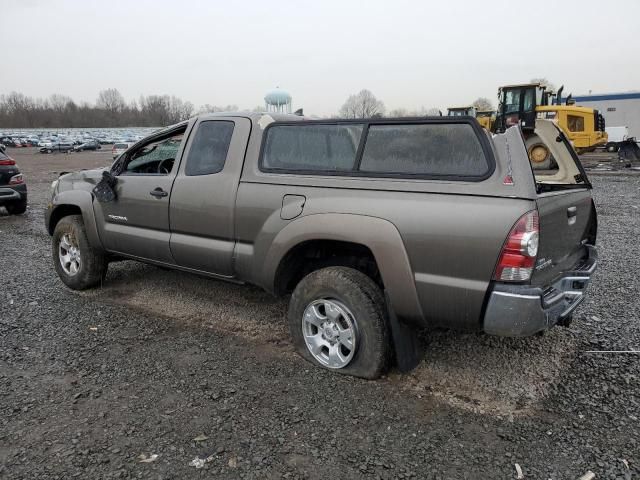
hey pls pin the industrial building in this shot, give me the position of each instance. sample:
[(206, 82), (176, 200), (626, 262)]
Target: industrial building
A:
[(618, 109)]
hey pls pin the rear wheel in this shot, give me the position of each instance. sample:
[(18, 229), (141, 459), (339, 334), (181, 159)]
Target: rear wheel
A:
[(539, 154), (338, 320), (78, 265), (17, 208)]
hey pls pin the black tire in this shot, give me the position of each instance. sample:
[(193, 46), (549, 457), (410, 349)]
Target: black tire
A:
[(93, 263), (611, 147), (17, 208), (364, 299)]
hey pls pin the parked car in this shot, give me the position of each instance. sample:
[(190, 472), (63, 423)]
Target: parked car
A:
[(58, 147), (13, 189), (374, 227), (119, 148), (88, 145)]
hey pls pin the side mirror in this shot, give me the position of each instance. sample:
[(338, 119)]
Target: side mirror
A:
[(105, 188)]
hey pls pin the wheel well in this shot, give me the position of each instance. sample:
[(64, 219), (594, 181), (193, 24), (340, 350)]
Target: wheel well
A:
[(315, 254), (60, 212)]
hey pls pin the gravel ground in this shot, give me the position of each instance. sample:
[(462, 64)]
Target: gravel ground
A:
[(164, 363)]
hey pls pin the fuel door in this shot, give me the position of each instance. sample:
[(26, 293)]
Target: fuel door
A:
[(292, 206)]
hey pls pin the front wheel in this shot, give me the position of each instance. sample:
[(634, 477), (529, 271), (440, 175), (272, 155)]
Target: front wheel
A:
[(78, 264), (338, 320)]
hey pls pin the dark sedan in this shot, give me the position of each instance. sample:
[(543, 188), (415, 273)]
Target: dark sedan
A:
[(13, 189), (88, 145)]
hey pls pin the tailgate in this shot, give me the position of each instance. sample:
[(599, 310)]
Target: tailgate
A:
[(568, 220), (567, 225)]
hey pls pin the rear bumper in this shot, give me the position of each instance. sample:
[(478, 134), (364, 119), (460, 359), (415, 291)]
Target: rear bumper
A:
[(13, 193), (520, 310)]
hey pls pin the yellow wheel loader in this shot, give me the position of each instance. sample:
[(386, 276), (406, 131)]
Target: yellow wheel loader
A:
[(486, 118), (523, 104), (468, 111)]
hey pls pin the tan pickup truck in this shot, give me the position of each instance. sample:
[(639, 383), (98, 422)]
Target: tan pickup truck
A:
[(374, 227)]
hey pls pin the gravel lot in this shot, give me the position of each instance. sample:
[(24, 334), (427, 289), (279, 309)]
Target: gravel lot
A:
[(164, 363)]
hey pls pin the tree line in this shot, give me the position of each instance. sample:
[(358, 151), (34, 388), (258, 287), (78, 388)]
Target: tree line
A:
[(110, 110)]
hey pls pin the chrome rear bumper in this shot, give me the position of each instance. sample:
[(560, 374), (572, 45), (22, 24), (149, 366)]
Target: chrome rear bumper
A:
[(520, 311)]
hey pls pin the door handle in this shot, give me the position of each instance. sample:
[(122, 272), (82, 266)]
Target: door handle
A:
[(158, 192), (572, 212)]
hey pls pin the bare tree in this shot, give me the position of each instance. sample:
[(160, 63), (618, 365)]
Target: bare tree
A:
[(399, 112), (544, 81), (111, 100), (364, 104), (208, 108), (483, 103), (420, 112)]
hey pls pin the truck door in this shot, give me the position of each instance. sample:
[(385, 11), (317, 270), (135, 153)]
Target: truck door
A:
[(137, 222), (201, 210)]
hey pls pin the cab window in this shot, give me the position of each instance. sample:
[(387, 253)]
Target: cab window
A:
[(529, 100), (512, 101), (575, 123), (155, 157), (209, 149)]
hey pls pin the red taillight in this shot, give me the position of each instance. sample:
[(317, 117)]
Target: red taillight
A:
[(7, 162), (518, 255), (16, 179)]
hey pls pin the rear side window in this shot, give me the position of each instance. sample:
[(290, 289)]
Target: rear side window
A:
[(209, 149), (319, 148), (425, 149)]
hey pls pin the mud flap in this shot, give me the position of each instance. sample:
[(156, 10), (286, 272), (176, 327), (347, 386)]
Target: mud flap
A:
[(406, 344)]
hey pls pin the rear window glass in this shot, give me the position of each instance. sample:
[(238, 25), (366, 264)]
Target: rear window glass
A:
[(121, 146), (326, 148), (209, 149), (427, 149), (3, 156)]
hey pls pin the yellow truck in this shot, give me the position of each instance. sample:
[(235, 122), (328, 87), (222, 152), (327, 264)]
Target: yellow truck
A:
[(523, 104)]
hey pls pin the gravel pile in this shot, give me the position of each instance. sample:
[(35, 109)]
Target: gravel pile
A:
[(164, 375)]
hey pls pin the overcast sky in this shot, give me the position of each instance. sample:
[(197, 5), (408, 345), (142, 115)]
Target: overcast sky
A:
[(408, 53)]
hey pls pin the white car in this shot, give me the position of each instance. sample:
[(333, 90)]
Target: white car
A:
[(119, 148)]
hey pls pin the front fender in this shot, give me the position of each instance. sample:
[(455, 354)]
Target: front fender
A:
[(380, 236), (77, 198)]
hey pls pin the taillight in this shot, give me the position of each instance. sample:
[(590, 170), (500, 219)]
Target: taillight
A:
[(7, 162), (518, 255), (16, 179)]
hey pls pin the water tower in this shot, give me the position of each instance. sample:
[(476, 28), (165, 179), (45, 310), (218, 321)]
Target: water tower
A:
[(278, 101)]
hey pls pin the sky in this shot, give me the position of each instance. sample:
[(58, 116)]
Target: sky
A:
[(410, 54)]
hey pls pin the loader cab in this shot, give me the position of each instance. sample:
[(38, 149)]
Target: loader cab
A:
[(517, 105), (468, 111)]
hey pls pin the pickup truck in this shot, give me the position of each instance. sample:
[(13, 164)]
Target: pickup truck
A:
[(369, 225)]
